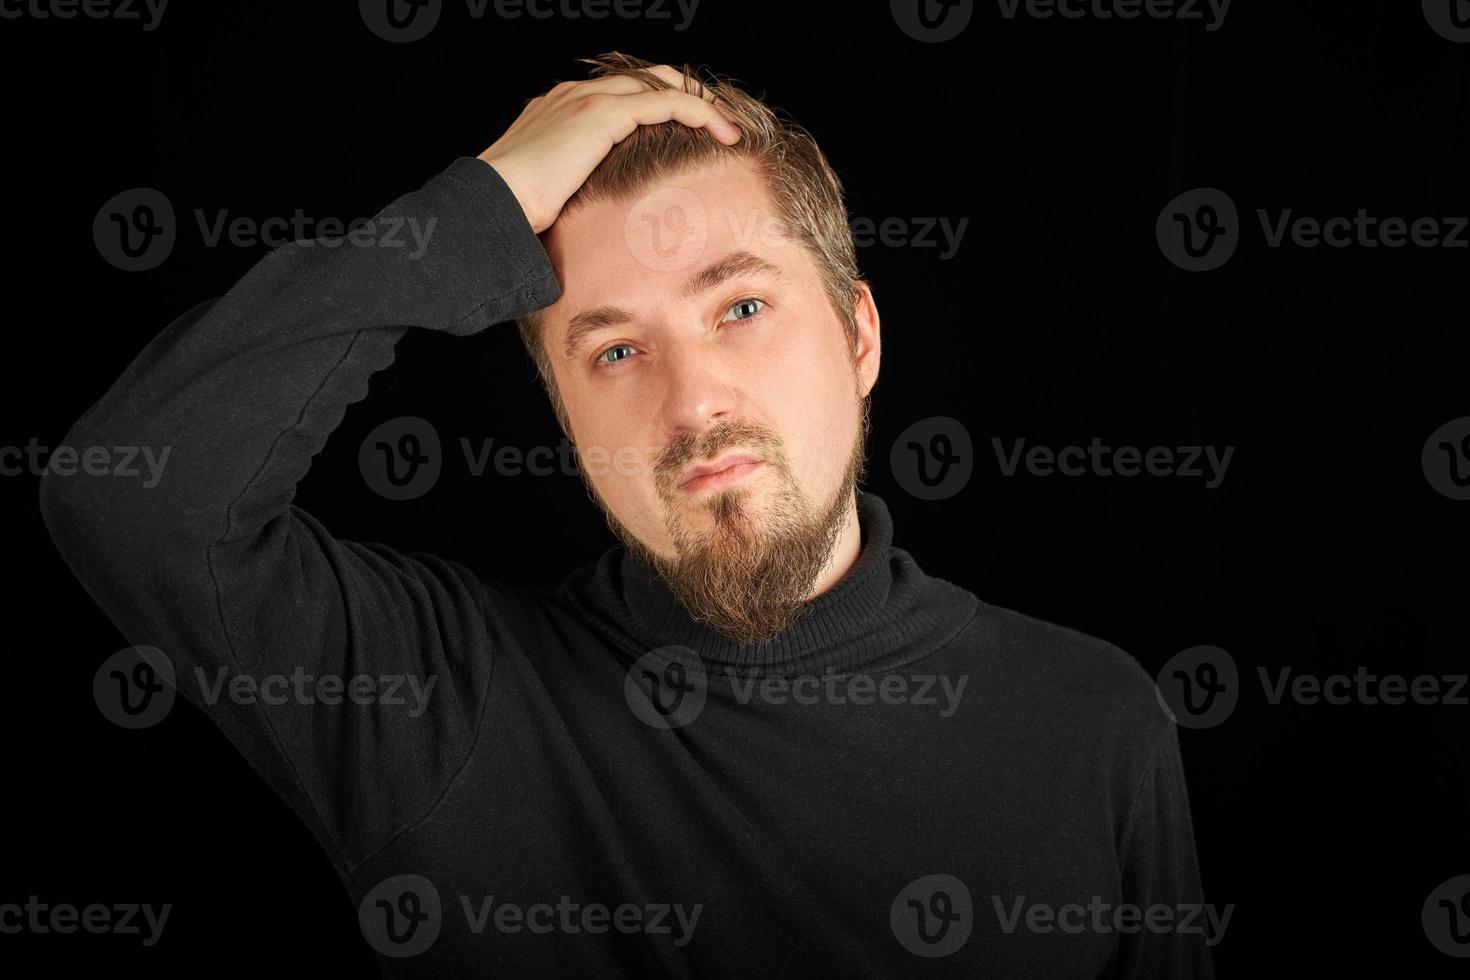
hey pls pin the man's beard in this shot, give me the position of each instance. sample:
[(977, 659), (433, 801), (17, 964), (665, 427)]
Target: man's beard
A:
[(748, 576)]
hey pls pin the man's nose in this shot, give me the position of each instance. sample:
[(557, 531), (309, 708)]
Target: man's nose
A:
[(698, 390)]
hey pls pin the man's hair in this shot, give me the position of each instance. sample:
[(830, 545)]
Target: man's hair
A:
[(804, 190)]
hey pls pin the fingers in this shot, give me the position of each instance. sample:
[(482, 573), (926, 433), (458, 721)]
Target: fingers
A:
[(628, 85), (675, 78), (655, 107), (648, 105)]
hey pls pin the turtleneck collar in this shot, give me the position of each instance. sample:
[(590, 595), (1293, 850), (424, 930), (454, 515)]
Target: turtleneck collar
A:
[(884, 610)]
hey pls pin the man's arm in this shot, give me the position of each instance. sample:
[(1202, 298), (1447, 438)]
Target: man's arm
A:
[(1159, 867), (218, 569), (215, 565)]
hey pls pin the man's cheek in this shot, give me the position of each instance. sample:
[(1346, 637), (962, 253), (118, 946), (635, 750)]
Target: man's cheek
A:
[(594, 459)]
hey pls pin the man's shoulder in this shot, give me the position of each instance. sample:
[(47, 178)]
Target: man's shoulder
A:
[(1072, 674)]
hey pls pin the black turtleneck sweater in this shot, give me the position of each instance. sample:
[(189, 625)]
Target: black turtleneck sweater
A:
[(584, 781)]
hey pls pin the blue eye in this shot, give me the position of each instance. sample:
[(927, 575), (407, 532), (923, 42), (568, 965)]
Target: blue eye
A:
[(600, 357), (745, 302), (602, 360)]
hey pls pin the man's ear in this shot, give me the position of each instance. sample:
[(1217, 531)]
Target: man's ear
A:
[(869, 346)]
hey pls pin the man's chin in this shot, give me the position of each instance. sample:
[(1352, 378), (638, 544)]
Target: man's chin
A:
[(744, 559), (748, 576), (724, 511), (736, 588)]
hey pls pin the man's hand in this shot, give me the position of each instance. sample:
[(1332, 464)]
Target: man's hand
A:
[(561, 137)]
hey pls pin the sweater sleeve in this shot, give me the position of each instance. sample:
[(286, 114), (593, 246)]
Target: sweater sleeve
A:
[(245, 592), (1160, 871)]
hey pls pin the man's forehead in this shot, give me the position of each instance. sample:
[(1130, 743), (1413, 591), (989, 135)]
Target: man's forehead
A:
[(675, 238), (720, 205)]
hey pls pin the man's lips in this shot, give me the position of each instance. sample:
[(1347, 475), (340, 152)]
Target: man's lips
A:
[(730, 467)]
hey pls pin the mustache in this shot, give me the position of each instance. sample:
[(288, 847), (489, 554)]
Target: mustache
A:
[(735, 434)]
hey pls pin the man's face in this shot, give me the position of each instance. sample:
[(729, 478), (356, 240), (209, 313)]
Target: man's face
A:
[(700, 334)]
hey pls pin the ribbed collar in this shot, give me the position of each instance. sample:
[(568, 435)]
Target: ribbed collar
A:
[(885, 610)]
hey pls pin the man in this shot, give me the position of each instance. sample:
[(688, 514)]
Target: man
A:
[(756, 739)]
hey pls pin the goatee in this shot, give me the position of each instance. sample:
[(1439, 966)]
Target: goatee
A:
[(750, 575)]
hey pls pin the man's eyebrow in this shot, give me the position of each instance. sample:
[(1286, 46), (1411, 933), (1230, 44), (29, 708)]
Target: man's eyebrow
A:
[(740, 263)]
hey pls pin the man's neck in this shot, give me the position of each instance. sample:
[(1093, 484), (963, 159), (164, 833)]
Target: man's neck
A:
[(845, 553)]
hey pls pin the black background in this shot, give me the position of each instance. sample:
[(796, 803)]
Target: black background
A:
[(1059, 319)]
